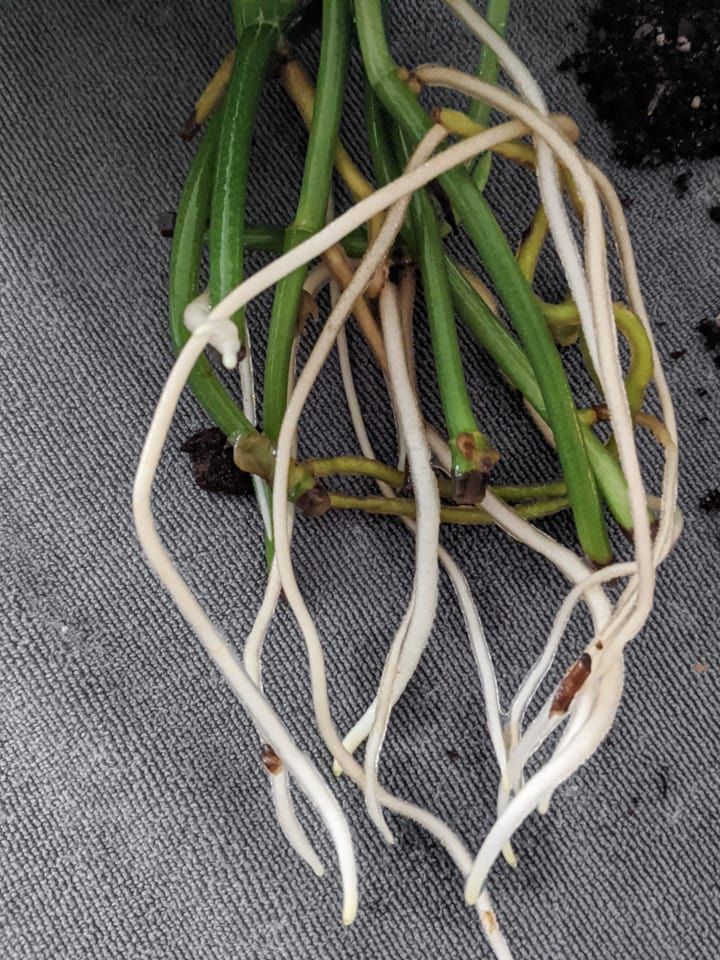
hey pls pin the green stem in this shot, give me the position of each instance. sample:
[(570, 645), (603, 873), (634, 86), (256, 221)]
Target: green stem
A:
[(356, 466), (383, 160), (350, 466), (187, 245), (496, 15), (532, 244), (403, 507), (254, 13), (640, 369), (513, 362), (514, 291), (256, 455), (312, 205), (269, 238), (227, 216), (385, 165), (472, 453), (530, 492)]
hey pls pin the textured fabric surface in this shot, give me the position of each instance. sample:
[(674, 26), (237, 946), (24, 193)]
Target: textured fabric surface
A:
[(134, 817)]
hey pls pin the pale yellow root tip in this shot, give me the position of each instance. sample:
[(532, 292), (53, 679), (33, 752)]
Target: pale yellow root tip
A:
[(349, 912)]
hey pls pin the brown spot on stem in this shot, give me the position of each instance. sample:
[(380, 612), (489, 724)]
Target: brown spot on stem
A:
[(570, 684), (190, 127), (271, 761), (314, 502)]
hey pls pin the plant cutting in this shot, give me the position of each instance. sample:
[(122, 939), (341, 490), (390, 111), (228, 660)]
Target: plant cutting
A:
[(375, 257)]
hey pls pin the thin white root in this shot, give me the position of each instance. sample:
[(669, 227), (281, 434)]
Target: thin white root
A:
[(473, 624), (264, 717), (374, 255), (555, 771), (412, 641), (279, 780)]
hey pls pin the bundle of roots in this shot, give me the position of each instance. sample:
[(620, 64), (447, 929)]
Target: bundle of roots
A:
[(371, 257)]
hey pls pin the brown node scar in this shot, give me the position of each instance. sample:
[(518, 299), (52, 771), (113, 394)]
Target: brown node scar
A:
[(570, 684), (314, 502), (470, 488), (271, 761)]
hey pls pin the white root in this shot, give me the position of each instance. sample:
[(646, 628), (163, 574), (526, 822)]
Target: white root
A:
[(473, 624), (224, 336), (412, 640)]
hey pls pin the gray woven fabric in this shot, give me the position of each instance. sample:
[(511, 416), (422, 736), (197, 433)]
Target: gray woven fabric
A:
[(134, 818)]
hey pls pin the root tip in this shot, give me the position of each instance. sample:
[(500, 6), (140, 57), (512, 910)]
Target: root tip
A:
[(349, 912)]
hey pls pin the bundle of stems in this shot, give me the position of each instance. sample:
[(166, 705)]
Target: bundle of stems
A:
[(430, 169)]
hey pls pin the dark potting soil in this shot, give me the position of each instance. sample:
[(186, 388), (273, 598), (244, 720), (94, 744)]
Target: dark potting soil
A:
[(710, 503), (651, 68), (213, 466), (710, 331)]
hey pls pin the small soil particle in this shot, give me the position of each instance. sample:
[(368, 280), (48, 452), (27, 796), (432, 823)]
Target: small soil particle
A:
[(715, 213), (166, 223), (710, 503), (452, 755), (677, 354), (681, 184), (700, 667)]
